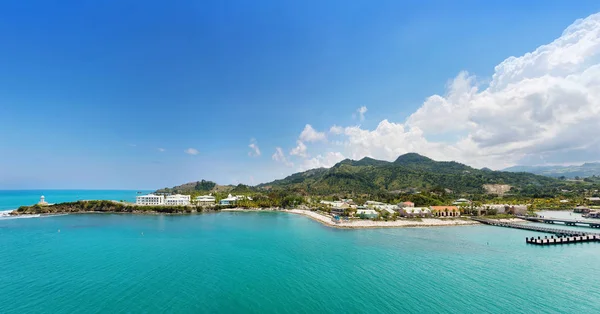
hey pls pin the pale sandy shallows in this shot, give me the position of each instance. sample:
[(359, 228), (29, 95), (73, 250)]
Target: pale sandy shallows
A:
[(425, 222), (356, 223), (327, 220)]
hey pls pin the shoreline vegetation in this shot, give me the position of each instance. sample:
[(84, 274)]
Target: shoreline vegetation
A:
[(114, 207)]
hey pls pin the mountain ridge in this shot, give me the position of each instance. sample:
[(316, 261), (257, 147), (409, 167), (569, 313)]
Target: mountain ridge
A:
[(410, 171)]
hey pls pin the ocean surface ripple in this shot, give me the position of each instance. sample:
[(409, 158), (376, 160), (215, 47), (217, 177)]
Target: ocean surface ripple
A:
[(283, 263)]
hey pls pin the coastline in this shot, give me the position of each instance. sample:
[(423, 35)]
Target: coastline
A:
[(371, 224), (318, 217)]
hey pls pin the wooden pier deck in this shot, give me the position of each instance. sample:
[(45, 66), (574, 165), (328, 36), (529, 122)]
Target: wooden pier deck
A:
[(556, 231), (560, 236), (565, 221)]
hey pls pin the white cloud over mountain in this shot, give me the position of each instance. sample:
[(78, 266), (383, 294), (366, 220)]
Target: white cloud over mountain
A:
[(254, 149), (299, 150), (326, 160), (544, 105), (309, 134)]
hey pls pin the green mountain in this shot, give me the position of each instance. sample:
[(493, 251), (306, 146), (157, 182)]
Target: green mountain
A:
[(408, 173), (582, 171)]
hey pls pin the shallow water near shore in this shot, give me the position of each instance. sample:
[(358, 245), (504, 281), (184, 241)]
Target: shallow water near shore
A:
[(279, 262)]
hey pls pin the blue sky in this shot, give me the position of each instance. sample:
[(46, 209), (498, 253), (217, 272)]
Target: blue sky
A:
[(111, 94)]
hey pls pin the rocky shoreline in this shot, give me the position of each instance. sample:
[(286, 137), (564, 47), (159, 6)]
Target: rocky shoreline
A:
[(86, 207)]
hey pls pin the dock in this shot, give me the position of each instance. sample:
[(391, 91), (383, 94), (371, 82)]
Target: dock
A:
[(559, 236), (565, 221), (555, 231), (562, 240)]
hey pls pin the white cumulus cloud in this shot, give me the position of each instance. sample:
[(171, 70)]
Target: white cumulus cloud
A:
[(191, 151), (254, 149), (309, 134), (361, 113), (299, 150), (336, 129), (322, 161), (544, 105), (536, 106)]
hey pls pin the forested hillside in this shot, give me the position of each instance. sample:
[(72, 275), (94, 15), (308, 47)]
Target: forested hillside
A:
[(410, 172)]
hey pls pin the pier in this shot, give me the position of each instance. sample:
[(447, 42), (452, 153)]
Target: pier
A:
[(563, 236), (567, 222), (555, 231), (562, 240)]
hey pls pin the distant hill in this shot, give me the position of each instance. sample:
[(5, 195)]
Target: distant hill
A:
[(408, 172), (582, 171)]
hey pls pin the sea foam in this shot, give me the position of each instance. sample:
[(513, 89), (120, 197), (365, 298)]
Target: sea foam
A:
[(5, 214)]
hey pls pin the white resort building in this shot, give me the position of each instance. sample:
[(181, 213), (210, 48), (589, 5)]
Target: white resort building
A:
[(381, 206), (415, 212), (150, 199), (205, 200), (461, 201), (336, 204), (177, 200), (230, 200), (373, 204)]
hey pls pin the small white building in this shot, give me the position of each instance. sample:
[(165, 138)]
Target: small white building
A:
[(390, 209), (415, 212), (373, 203), (381, 206), (205, 200), (243, 197), (42, 201), (336, 204), (177, 200), (461, 201), (150, 199), (230, 200)]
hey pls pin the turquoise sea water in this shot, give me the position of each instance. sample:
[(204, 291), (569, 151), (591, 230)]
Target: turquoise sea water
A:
[(12, 199), (283, 263)]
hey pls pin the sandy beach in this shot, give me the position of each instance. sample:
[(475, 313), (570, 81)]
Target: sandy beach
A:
[(356, 223)]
